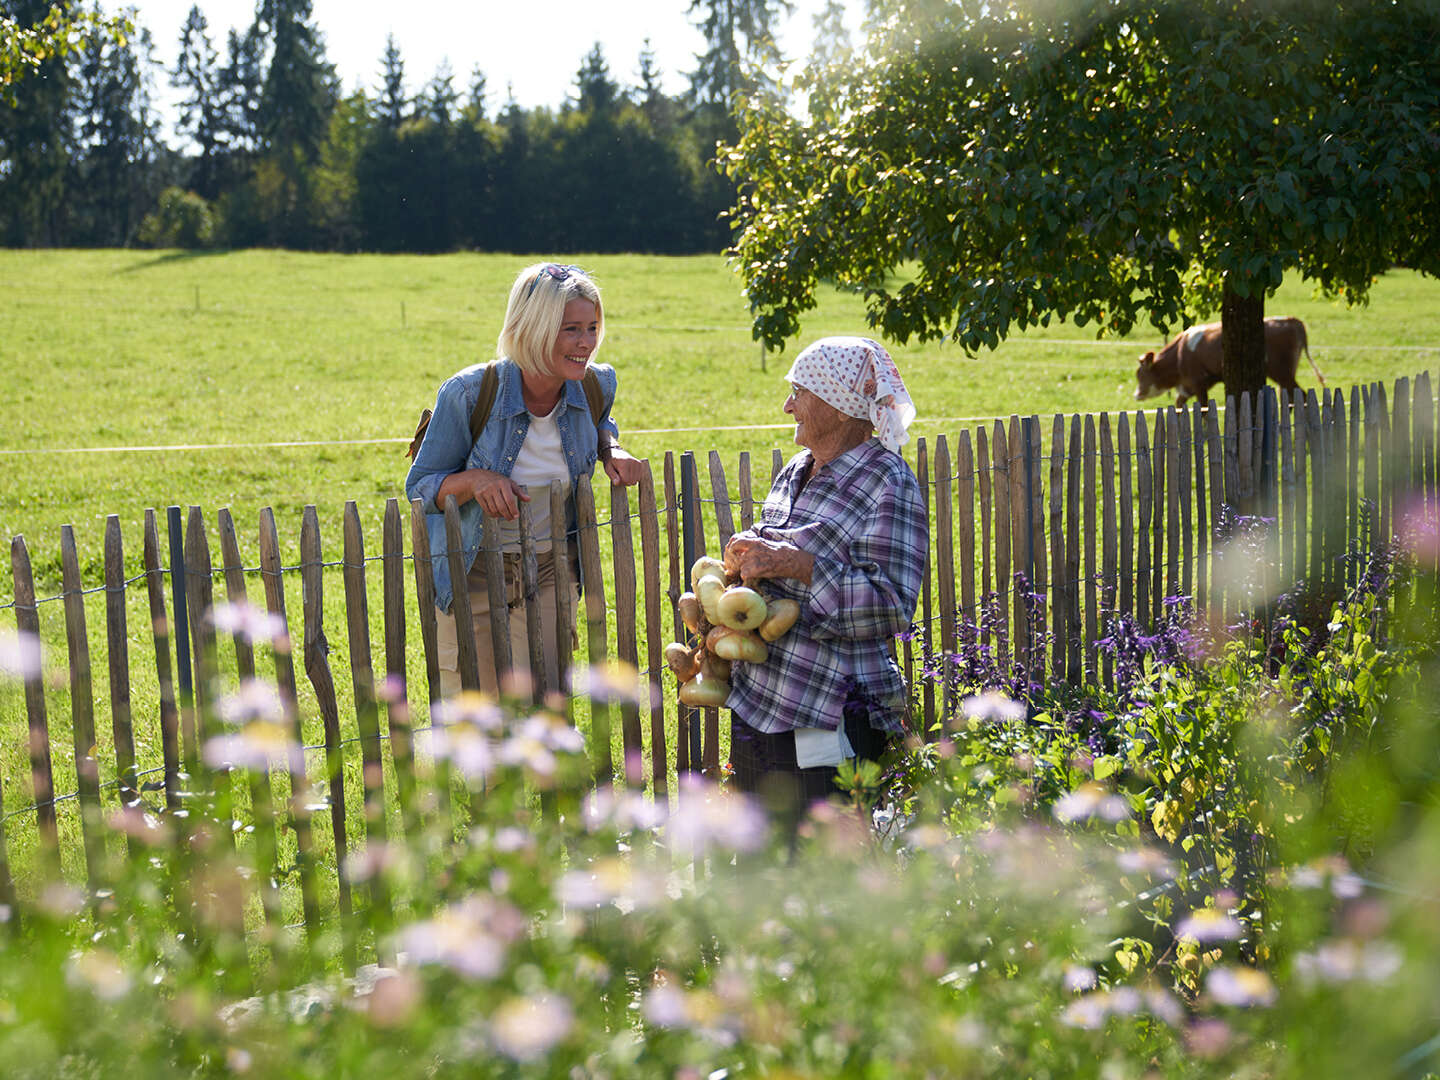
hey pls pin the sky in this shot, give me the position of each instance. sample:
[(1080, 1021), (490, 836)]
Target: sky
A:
[(533, 46)]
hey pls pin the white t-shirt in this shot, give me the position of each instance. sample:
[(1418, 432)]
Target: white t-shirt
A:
[(541, 460)]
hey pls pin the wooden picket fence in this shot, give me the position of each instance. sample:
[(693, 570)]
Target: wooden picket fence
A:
[(1037, 546)]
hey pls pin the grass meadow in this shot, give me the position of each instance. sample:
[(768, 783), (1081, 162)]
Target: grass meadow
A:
[(129, 355)]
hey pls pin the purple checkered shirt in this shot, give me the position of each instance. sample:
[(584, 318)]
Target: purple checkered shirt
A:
[(863, 518)]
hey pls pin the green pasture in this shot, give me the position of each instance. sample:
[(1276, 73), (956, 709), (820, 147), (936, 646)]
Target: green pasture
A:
[(105, 351)]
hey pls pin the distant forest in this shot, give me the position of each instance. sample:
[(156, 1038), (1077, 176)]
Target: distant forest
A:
[(274, 154)]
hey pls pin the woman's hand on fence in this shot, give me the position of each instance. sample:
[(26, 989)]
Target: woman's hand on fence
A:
[(497, 495), (755, 558), (622, 468)]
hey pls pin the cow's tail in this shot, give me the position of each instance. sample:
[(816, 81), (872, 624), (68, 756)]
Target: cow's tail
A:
[(1305, 344)]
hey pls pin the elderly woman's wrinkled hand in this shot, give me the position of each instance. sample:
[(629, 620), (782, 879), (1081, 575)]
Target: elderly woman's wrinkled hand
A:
[(755, 558)]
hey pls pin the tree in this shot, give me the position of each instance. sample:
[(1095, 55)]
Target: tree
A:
[(299, 88), (393, 104), (202, 107), (439, 100), (241, 81), (115, 141), (596, 92), (479, 87), (1101, 160), (739, 37), (659, 109)]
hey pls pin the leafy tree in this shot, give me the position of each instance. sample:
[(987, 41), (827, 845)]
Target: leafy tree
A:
[(336, 188), (1101, 160), (34, 128), (393, 104), (33, 33), (202, 109)]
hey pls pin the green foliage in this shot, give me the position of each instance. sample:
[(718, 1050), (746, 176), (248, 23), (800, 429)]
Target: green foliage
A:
[(182, 220), (1018, 914), (1097, 161)]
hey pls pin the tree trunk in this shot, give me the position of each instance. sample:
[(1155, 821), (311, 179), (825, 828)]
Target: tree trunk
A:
[(1242, 321)]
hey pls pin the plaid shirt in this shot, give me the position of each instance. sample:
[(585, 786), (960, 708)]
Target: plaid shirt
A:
[(863, 518)]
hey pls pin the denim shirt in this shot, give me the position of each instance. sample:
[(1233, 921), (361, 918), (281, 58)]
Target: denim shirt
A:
[(447, 449)]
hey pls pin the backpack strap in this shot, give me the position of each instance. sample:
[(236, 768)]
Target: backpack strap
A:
[(596, 398), (489, 387)]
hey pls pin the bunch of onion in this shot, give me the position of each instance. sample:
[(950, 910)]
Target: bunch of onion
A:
[(727, 621)]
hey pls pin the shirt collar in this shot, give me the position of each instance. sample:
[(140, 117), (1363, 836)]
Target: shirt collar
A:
[(510, 399)]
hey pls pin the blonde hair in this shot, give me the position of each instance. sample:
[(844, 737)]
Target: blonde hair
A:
[(537, 309)]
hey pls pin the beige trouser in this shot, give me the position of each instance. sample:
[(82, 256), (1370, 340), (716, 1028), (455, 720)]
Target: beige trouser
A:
[(448, 646)]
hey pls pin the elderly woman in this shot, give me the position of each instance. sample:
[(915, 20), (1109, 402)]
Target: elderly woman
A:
[(548, 419), (843, 532)]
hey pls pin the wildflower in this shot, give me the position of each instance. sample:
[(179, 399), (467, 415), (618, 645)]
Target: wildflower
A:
[(1146, 860), (469, 709), (254, 700), (1346, 960), (100, 972), (613, 683), (466, 747), (708, 819), (612, 880), (260, 745), (251, 624), (1079, 978), (666, 1006), (1329, 872), (602, 808), (525, 1029), (391, 689), (139, 824), (1208, 1037), (469, 937), (394, 999), (1090, 801), (992, 707), (1209, 924), (1242, 987), (372, 860), (19, 656)]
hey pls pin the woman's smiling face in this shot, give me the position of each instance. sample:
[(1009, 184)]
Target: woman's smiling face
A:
[(579, 330)]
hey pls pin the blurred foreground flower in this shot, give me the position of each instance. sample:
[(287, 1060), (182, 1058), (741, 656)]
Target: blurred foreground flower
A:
[(254, 700), (625, 812), (1091, 801), (612, 683), (1242, 987), (1346, 960), (468, 749), (100, 972), (992, 706), (469, 708), (259, 745), (1091, 1011), (709, 819), (1205, 925), (527, 1028), (19, 656), (1146, 860), (469, 937), (251, 624)]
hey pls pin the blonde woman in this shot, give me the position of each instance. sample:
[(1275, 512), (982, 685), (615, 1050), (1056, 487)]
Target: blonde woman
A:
[(548, 419)]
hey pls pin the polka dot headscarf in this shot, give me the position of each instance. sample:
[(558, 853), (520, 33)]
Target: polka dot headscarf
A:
[(856, 376)]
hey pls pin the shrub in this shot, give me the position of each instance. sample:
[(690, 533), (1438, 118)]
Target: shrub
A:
[(182, 219)]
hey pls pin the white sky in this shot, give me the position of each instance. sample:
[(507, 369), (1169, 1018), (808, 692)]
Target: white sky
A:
[(534, 45)]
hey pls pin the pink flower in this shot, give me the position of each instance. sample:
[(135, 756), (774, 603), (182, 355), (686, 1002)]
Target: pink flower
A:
[(260, 745), (1091, 801), (708, 819), (19, 656), (1242, 987), (526, 1029), (254, 700), (251, 624), (469, 937), (469, 708), (1209, 924)]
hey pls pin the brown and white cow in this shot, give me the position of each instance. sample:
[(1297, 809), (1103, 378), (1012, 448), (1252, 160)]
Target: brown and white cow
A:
[(1191, 363)]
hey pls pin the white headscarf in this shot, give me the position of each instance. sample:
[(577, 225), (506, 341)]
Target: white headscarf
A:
[(856, 376)]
